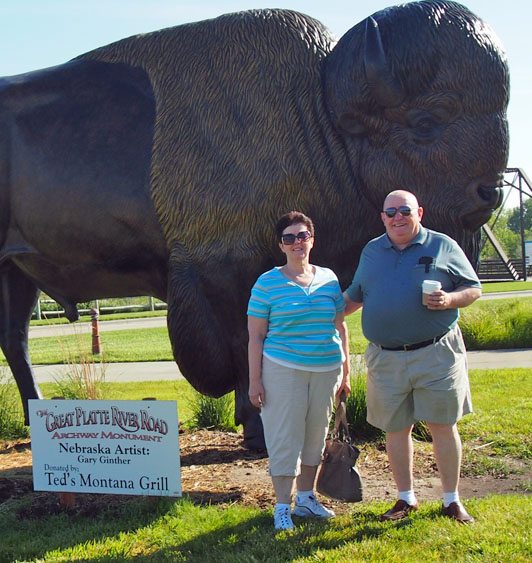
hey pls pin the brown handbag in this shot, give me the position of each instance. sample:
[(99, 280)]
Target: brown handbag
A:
[(338, 477)]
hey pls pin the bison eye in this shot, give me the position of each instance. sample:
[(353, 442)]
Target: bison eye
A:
[(423, 126)]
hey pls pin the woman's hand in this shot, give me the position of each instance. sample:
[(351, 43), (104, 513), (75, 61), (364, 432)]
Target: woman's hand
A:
[(341, 327), (257, 329), (256, 394), (345, 386)]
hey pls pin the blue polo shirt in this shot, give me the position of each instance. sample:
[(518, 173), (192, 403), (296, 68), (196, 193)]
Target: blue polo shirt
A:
[(388, 283)]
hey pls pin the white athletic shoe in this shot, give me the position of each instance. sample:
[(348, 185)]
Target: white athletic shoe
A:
[(282, 519), (311, 507)]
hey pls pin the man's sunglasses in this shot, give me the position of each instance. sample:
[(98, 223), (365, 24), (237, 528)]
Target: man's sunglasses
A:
[(289, 239), (404, 210)]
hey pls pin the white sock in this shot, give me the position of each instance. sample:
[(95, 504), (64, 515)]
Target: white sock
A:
[(449, 498), (408, 496), (282, 506), (302, 496)]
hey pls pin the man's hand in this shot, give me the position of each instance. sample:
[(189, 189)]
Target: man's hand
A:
[(438, 301), (350, 305), (461, 297)]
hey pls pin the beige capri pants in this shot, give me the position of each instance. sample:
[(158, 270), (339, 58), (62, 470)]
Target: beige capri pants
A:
[(296, 414)]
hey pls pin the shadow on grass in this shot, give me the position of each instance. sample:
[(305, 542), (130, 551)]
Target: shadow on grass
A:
[(255, 539), (252, 539), (39, 519)]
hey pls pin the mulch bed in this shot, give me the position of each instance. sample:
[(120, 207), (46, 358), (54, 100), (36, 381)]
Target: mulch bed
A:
[(216, 469)]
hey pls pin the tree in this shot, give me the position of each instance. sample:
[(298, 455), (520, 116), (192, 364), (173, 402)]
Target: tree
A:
[(509, 240), (514, 220)]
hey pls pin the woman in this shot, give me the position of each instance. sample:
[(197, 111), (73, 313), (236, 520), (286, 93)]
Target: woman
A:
[(298, 351)]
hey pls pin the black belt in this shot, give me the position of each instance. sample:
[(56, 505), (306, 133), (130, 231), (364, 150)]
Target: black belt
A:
[(416, 346)]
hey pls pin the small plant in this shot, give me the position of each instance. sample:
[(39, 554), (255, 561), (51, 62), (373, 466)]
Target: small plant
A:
[(421, 432), (215, 414), (356, 406), (81, 381), (84, 374), (11, 413), (525, 486), (356, 410)]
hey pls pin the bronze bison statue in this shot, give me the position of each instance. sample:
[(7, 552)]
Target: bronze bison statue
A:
[(159, 164)]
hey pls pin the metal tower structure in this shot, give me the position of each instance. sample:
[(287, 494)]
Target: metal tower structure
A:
[(515, 179)]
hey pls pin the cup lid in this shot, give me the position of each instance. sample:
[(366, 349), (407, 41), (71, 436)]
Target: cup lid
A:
[(431, 284)]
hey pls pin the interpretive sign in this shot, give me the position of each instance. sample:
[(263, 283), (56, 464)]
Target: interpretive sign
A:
[(118, 447)]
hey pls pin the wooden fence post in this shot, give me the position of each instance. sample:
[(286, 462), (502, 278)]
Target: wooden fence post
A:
[(96, 343)]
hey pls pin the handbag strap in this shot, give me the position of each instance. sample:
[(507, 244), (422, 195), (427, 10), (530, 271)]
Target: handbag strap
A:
[(341, 429)]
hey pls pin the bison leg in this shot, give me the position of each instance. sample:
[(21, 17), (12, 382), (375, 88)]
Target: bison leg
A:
[(247, 415), (209, 340), (17, 301)]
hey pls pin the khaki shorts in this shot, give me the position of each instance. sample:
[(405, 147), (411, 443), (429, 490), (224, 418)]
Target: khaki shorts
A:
[(295, 416), (429, 384)]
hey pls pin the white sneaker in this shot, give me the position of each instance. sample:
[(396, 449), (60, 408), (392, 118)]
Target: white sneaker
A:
[(282, 519), (311, 507)]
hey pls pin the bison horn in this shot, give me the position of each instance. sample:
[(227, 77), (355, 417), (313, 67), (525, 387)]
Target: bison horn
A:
[(385, 89)]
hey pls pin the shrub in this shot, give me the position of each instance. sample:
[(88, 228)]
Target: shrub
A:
[(356, 406), (356, 411), (84, 374), (81, 381), (505, 324), (213, 414), (11, 413)]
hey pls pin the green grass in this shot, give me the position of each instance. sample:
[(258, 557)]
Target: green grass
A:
[(183, 531), (166, 529), (357, 340), (132, 345), (497, 324), (489, 324), (11, 416), (491, 287), (502, 402)]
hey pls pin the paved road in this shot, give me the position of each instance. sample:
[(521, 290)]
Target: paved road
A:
[(164, 371), (507, 294)]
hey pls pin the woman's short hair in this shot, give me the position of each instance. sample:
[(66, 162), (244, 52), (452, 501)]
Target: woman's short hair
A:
[(292, 218)]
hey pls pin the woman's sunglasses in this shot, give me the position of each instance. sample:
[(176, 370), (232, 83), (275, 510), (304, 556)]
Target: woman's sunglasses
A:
[(289, 239), (404, 210)]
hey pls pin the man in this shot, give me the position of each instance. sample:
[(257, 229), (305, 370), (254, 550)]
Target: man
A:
[(416, 359)]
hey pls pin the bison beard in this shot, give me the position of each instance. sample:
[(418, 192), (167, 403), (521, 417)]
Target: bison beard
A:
[(191, 141)]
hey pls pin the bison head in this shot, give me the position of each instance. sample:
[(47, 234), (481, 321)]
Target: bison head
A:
[(420, 92)]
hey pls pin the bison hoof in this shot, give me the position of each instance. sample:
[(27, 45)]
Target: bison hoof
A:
[(254, 434)]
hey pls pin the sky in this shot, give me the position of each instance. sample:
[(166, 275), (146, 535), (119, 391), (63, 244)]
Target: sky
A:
[(37, 34)]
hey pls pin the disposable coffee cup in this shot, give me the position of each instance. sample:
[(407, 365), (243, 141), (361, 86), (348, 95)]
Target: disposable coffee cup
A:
[(428, 287)]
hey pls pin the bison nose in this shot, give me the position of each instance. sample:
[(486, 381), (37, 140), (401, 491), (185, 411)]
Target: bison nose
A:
[(491, 196), (482, 197)]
